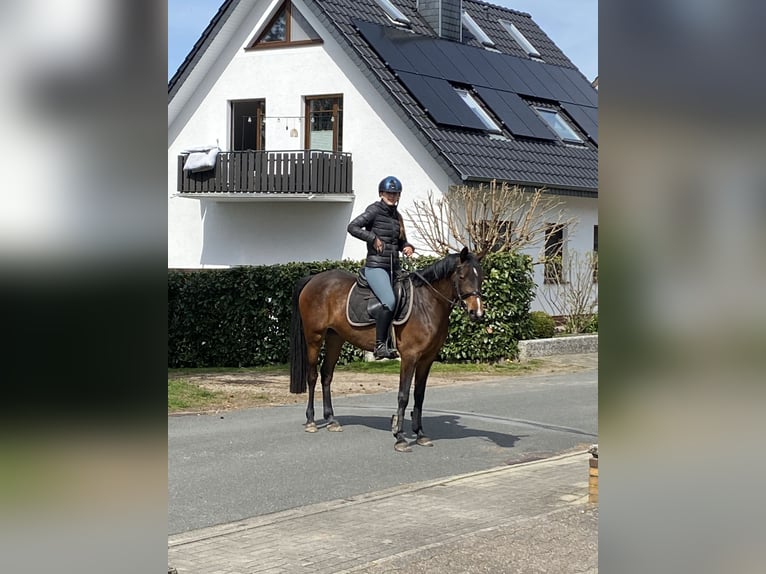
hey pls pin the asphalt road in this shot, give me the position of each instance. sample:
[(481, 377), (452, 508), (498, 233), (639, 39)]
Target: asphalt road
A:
[(223, 468)]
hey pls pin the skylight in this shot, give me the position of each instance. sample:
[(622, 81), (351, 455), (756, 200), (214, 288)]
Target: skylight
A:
[(488, 122), (521, 40), (393, 12), (476, 30), (558, 124)]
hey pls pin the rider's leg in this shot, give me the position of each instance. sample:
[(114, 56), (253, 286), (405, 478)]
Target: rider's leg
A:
[(380, 283)]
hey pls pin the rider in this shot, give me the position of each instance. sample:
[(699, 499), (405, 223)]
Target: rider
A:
[(381, 226)]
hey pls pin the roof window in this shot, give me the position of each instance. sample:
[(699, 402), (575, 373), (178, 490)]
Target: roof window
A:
[(394, 13), (476, 30), (520, 39), (558, 124), (476, 108)]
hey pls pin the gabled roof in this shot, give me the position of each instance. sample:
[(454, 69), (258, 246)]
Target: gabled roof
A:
[(362, 27)]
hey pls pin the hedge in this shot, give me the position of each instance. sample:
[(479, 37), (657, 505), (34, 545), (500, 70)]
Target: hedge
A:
[(240, 317)]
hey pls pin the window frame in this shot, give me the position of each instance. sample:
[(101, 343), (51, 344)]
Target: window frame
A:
[(260, 44), (553, 268), (260, 134), (337, 120), (545, 114), (478, 109), (520, 39), (476, 30), (394, 14)]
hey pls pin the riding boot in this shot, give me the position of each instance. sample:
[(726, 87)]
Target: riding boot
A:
[(382, 333)]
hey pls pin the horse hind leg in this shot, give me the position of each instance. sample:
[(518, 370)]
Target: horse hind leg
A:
[(333, 347), (312, 354)]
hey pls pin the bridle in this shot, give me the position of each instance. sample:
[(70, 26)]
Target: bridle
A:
[(460, 297)]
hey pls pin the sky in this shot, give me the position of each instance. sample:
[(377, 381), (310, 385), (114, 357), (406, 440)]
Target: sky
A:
[(571, 24)]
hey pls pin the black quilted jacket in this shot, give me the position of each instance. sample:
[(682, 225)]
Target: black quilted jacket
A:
[(382, 221)]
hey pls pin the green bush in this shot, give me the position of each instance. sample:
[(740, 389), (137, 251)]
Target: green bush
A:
[(591, 326), (240, 317), (542, 325)]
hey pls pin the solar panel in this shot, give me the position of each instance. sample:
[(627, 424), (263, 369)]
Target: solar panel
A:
[(560, 94), (586, 117), (440, 101), (429, 66), (515, 114), (459, 66), (573, 93), (537, 78), (381, 39), (590, 93)]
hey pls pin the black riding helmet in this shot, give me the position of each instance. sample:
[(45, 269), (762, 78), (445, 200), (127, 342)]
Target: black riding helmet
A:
[(390, 184)]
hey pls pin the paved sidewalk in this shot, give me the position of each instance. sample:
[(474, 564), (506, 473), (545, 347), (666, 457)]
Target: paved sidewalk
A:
[(527, 518)]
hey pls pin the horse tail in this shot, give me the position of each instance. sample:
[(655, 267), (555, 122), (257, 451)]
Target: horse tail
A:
[(298, 358)]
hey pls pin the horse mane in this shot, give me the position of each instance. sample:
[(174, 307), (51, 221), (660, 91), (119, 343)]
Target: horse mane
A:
[(439, 270)]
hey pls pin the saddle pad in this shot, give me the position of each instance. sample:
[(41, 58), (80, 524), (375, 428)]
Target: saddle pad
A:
[(359, 298)]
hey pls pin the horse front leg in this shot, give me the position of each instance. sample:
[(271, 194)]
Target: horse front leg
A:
[(406, 372), (332, 347), (421, 377)]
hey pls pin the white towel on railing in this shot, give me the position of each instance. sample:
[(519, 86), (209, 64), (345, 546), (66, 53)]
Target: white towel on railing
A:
[(201, 158)]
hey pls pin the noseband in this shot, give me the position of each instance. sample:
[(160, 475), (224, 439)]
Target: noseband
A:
[(463, 296)]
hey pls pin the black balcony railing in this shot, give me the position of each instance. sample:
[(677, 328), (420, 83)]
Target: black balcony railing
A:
[(298, 171)]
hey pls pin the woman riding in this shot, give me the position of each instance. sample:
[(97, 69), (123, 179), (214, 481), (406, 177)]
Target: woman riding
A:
[(381, 226)]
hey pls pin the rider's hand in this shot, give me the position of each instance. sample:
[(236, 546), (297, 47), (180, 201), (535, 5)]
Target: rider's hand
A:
[(408, 250), (378, 245)]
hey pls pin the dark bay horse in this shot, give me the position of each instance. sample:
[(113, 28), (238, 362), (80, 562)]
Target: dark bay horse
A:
[(319, 315)]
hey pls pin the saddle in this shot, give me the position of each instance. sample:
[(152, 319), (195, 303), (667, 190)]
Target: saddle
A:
[(362, 306)]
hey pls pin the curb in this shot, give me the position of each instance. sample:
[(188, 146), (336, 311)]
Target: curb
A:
[(302, 511), (534, 348)]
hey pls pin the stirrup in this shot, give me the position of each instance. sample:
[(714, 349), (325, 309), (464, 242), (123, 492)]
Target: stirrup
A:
[(382, 351)]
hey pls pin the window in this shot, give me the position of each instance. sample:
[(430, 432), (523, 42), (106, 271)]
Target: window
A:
[(520, 39), (595, 253), (558, 124), (394, 13), (476, 108), (324, 123), (248, 131), (287, 27), (476, 30), (554, 253)]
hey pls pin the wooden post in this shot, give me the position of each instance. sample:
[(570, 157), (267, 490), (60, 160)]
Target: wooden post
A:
[(593, 475)]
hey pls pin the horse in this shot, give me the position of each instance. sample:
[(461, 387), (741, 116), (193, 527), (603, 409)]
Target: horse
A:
[(318, 315)]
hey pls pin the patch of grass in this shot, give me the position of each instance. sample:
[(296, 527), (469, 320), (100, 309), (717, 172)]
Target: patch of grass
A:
[(267, 369), (183, 395)]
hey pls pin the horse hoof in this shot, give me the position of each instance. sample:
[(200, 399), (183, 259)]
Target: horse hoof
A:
[(334, 427), (424, 441), (310, 427), (402, 446)]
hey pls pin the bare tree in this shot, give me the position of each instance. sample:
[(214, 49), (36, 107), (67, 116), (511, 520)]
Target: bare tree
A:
[(575, 294), (484, 218)]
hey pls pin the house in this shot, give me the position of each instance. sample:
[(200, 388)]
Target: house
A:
[(302, 106)]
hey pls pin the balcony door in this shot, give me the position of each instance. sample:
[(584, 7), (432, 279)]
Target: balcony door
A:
[(248, 130), (324, 123)]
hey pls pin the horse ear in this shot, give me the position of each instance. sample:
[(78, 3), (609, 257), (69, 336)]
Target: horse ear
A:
[(464, 254)]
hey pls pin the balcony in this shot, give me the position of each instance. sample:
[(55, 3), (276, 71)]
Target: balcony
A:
[(271, 176)]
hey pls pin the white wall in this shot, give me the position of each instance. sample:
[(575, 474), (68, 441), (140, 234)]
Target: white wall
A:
[(205, 233), (578, 237)]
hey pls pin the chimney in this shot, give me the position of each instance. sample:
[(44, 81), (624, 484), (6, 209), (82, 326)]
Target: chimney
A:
[(444, 17)]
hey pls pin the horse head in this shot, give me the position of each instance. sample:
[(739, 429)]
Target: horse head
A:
[(467, 283)]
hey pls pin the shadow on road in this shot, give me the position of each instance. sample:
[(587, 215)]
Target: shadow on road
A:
[(441, 427)]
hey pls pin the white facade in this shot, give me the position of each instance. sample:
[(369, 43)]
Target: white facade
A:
[(206, 233)]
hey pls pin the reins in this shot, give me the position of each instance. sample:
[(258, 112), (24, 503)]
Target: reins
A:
[(461, 297)]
